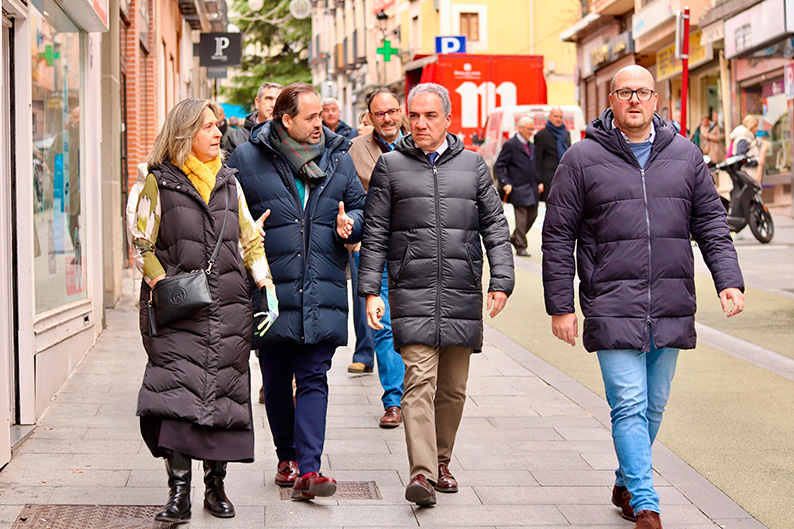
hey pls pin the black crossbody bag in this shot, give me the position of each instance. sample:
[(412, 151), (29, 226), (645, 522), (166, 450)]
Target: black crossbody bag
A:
[(175, 298)]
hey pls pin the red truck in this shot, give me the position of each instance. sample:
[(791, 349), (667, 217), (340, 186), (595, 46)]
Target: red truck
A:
[(479, 83)]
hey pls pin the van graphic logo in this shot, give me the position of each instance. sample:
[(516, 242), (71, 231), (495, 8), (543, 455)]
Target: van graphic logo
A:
[(177, 296)]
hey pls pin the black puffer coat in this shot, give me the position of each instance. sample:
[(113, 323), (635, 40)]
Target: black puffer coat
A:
[(198, 367), (631, 228), (425, 223), (307, 258)]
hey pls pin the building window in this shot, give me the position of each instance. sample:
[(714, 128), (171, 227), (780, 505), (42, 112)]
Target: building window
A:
[(471, 21), (58, 206), (470, 26)]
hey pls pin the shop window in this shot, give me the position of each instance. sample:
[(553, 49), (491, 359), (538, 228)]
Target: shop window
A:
[(58, 202), (768, 103)]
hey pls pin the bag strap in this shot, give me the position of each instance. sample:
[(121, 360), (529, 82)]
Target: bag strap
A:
[(220, 237)]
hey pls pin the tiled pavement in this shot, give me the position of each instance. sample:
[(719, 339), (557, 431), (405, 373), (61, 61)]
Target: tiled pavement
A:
[(533, 450)]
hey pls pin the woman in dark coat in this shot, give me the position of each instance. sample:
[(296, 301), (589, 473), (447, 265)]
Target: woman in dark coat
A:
[(195, 401)]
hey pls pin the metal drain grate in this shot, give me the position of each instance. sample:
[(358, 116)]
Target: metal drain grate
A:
[(347, 490), (90, 517)]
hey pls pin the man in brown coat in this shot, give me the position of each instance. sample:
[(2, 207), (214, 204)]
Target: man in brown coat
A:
[(386, 117)]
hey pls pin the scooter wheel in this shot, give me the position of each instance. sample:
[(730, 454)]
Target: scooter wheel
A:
[(761, 223)]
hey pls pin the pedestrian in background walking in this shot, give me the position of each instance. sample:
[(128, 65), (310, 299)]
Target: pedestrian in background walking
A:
[(331, 113), (364, 124), (551, 142), (430, 203), (387, 116), (515, 169), (299, 176), (626, 199), (263, 103), (195, 401)]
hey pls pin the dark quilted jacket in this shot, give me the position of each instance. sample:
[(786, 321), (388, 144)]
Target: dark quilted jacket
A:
[(631, 228), (307, 258), (425, 223), (198, 367)]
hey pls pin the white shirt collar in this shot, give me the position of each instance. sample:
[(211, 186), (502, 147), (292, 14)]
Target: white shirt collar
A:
[(441, 148), (521, 139), (649, 139)]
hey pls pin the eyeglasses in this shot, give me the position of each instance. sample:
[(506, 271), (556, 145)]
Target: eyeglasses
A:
[(392, 114), (625, 94)]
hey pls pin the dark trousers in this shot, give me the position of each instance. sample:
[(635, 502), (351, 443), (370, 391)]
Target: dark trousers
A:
[(525, 217), (365, 337), (298, 427)]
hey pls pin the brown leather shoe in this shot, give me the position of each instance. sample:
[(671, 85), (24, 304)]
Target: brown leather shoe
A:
[(420, 491), (357, 368), (286, 473), (313, 484), (621, 498), (446, 481), (262, 395), (392, 418), (648, 520)]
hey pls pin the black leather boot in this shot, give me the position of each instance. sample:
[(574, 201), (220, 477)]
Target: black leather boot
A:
[(177, 510), (215, 500)]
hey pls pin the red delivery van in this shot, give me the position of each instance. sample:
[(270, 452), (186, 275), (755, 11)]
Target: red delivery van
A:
[(479, 83)]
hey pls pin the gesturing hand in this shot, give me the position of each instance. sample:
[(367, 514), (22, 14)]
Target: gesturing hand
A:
[(260, 225), (344, 224)]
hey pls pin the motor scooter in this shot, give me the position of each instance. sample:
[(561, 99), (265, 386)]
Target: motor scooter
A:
[(745, 205)]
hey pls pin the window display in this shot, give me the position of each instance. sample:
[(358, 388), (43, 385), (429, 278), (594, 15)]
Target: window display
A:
[(57, 180)]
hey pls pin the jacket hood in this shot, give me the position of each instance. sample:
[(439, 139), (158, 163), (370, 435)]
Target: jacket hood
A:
[(407, 146), (143, 172), (251, 120), (741, 131), (260, 136), (602, 131)]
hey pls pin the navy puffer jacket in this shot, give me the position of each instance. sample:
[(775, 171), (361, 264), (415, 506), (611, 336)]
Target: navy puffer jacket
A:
[(631, 228), (307, 258), (426, 223)]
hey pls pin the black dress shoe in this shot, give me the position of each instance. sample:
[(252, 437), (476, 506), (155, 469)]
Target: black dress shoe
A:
[(420, 491), (215, 500)]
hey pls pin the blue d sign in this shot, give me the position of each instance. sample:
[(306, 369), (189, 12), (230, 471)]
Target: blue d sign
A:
[(451, 44)]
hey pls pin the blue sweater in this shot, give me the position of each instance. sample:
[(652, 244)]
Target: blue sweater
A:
[(641, 151)]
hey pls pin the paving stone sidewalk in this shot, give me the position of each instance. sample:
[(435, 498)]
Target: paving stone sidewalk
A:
[(533, 450)]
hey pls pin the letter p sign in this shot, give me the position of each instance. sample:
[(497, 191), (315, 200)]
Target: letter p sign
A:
[(221, 43), (451, 44)]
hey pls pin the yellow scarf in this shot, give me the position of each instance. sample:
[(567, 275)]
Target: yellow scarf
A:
[(202, 175)]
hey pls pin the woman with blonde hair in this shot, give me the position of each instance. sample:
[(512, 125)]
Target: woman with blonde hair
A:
[(744, 142), (195, 400)]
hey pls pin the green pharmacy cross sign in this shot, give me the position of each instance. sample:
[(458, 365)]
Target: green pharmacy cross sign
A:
[(50, 56), (387, 51)]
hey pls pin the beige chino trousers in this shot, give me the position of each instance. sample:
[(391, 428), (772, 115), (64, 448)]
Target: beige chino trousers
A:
[(432, 404)]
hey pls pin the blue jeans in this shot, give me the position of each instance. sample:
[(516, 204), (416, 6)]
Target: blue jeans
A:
[(637, 386), (365, 345), (391, 369)]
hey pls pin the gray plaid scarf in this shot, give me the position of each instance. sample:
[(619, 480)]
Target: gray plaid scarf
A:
[(301, 156)]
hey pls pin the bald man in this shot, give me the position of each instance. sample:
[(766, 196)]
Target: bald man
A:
[(515, 169), (627, 198)]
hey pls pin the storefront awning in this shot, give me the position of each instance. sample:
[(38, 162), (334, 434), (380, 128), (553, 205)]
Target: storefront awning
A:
[(569, 35)]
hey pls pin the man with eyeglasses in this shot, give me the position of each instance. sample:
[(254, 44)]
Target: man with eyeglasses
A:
[(627, 198), (386, 117)]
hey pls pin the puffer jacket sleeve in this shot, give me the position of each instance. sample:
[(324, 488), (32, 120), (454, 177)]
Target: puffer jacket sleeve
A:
[(494, 232), (564, 213), (377, 227), (709, 228)]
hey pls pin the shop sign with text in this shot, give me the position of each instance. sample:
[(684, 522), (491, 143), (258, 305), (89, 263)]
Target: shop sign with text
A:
[(612, 50), (667, 65)]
